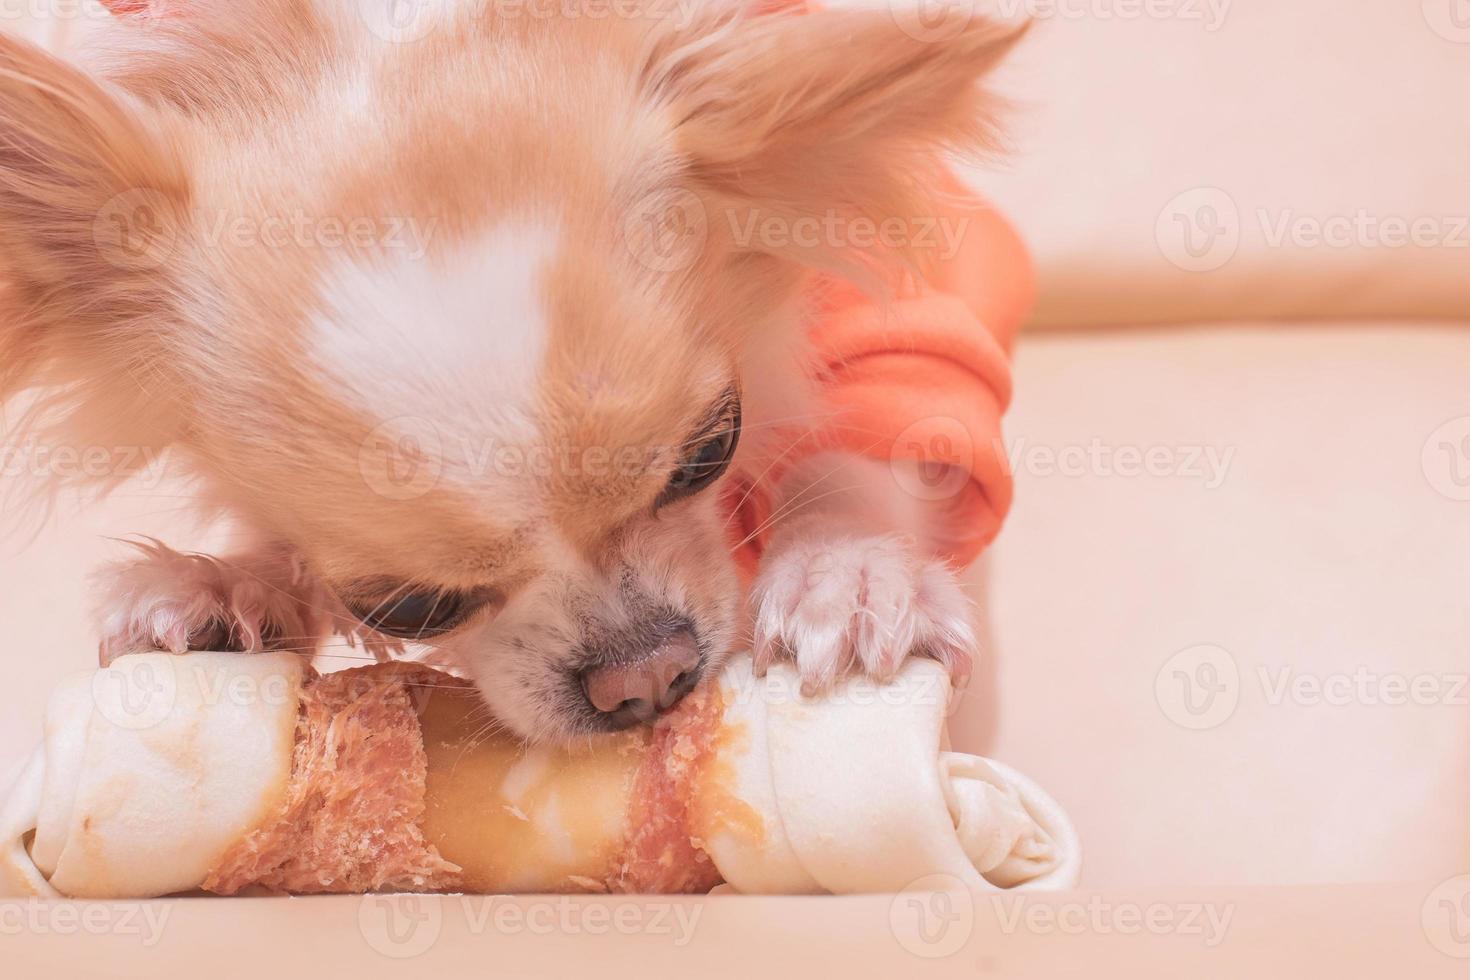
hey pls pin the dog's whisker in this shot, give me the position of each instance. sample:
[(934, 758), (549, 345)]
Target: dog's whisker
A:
[(792, 507), (756, 482), (787, 507)]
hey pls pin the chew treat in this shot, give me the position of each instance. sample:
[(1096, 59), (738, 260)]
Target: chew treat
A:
[(226, 772)]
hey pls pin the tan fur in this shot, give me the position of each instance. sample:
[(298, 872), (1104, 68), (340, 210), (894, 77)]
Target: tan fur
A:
[(261, 108)]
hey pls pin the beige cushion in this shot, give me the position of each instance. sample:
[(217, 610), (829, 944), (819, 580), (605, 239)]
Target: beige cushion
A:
[(1314, 151), (1332, 547)]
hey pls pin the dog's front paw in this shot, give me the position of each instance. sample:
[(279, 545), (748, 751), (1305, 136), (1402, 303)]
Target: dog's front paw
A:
[(858, 603), (169, 600)]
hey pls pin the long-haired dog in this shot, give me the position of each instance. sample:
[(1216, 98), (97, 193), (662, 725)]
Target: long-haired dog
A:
[(418, 309)]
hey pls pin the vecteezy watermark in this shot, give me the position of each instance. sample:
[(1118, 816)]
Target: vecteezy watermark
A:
[(141, 692), (941, 20), (1200, 687), (138, 693), (401, 927), (933, 20), (1446, 459), (1208, 14), (933, 459), (1208, 922), (407, 926), (142, 228), (570, 916), (304, 230), (926, 689), (1445, 917), (137, 229), (1362, 686), (402, 459), (40, 460), (407, 21), (933, 917), (144, 921), (1206, 465), (405, 457), (1362, 229), (1450, 19), (1201, 230), (403, 21), (680, 12), (937, 235), (666, 230)]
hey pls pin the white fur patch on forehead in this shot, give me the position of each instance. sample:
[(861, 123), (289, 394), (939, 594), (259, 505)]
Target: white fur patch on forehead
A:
[(450, 343)]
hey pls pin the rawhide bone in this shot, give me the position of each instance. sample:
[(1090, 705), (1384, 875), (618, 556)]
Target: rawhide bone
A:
[(223, 772)]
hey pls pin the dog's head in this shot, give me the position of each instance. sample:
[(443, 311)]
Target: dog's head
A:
[(466, 310)]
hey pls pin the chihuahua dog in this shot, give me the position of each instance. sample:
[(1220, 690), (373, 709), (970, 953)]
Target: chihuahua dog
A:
[(419, 309)]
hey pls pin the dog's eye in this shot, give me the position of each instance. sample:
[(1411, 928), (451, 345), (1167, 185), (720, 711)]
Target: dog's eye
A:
[(414, 615), (704, 463)]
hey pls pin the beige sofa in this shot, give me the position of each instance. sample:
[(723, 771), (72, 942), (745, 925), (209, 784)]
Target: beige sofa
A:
[(1227, 622)]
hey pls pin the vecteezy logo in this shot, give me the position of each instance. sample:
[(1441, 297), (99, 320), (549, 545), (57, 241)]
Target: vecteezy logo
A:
[(401, 21), (402, 458), (1199, 687), (666, 231), (1199, 230), (1450, 19), (932, 20), (400, 926), (933, 917), (1446, 459), (134, 230), (1445, 917), (933, 458), (135, 693)]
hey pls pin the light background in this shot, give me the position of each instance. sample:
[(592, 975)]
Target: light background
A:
[(1333, 542)]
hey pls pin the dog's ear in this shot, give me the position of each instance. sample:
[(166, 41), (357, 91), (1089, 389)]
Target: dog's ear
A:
[(833, 112), (89, 200)]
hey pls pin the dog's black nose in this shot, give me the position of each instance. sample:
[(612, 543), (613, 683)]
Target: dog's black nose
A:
[(633, 691)]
